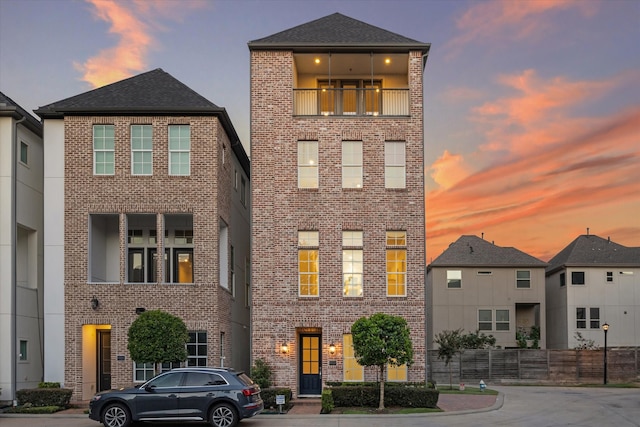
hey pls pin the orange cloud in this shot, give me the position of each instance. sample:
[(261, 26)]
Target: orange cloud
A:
[(133, 24), (449, 169)]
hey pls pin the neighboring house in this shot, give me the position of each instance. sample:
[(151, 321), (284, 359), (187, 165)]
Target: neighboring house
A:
[(479, 286), (21, 246), (338, 196), (591, 282), (142, 167)]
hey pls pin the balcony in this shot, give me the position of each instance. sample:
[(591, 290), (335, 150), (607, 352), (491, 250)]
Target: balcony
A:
[(351, 84), (351, 102)]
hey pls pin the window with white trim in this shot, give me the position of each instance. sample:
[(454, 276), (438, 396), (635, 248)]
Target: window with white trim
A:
[(103, 150), (351, 164), (396, 263), (23, 356), (24, 153), (307, 164), (352, 263), (523, 279), (179, 150), (454, 279), (141, 149), (485, 320), (308, 263), (394, 164)]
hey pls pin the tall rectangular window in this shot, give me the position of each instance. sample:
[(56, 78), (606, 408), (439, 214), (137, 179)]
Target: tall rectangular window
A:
[(523, 279), (24, 153), (232, 261), (247, 283), (454, 279), (23, 356), (353, 371), (197, 349), (141, 150), (103, 150), (394, 164), (308, 263), (243, 191), (609, 276), (502, 320), (351, 164), (581, 317), (179, 150), (485, 320), (307, 164), (594, 318), (396, 260), (179, 259), (352, 263)]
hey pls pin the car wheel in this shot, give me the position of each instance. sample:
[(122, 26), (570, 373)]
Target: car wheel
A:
[(223, 415), (116, 415)]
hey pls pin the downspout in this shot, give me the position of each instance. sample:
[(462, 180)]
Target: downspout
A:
[(14, 259)]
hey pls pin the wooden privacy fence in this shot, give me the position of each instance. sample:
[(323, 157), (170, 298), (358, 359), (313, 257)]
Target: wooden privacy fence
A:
[(536, 366)]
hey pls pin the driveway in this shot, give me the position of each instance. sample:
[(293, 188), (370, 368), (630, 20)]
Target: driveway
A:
[(522, 406)]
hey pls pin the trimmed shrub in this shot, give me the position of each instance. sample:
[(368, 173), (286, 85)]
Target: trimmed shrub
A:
[(327, 401), (45, 396), (407, 396), (261, 374), (269, 397)]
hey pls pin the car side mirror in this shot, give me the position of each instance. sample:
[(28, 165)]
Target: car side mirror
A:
[(150, 388)]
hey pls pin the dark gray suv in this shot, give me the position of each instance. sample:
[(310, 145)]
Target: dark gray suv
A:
[(219, 396)]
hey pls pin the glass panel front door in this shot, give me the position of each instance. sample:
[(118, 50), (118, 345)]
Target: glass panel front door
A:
[(310, 364)]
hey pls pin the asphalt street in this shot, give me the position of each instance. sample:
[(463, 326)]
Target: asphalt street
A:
[(521, 406)]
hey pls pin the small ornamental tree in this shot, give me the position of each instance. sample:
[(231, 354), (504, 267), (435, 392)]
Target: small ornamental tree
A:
[(157, 337), (450, 344), (382, 340)]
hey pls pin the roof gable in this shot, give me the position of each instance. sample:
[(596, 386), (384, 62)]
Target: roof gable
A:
[(10, 108), (337, 30), (152, 92), (590, 250), (472, 251)]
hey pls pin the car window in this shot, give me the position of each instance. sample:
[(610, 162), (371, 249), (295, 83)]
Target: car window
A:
[(197, 379), (244, 379), (171, 379)]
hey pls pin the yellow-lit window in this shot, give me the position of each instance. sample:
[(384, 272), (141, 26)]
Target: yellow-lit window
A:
[(308, 263), (352, 370), (397, 373), (307, 164), (396, 259), (352, 263), (311, 355)]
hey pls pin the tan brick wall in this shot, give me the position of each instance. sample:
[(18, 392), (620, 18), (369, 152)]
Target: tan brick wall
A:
[(280, 209), (206, 194)]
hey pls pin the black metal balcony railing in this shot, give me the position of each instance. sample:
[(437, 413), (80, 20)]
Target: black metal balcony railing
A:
[(351, 102)]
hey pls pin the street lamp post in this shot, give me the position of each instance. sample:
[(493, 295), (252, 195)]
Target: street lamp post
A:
[(605, 328)]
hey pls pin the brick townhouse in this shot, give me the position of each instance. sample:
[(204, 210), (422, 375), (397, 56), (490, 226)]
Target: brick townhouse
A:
[(338, 215), (142, 167)]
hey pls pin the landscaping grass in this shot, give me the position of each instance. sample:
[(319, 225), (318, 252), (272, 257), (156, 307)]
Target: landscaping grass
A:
[(467, 390), (386, 411), (33, 409)]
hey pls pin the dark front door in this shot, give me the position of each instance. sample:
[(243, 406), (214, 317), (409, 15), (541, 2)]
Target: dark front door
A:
[(104, 360), (310, 364)]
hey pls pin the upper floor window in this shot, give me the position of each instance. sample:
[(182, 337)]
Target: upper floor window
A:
[(103, 150), (454, 278), (351, 164), (308, 263), (141, 149), (396, 263), (394, 164), (243, 191), (179, 150), (577, 277), (563, 279), (352, 263), (24, 153), (609, 276), (523, 279), (307, 164)]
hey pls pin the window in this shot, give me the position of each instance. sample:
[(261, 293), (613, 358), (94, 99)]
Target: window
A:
[(563, 279), (594, 318), (232, 262), (353, 371), (103, 150), (396, 263), (581, 317), (454, 279), (577, 277), (247, 283), (243, 191), (141, 150), (23, 356), (351, 164), (523, 279), (485, 273), (485, 320), (308, 263), (307, 164), (104, 248), (352, 263), (179, 150), (222, 342), (394, 164), (24, 153), (179, 259), (502, 320), (235, 179), (142, 372), (141, 248), (609, 276), (397, 373), (197, 349)]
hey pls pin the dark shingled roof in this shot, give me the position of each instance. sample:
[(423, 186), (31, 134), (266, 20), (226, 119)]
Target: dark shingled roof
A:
[(472, 251), (155, 92), (338, 31), (10, 108), (589, 250)]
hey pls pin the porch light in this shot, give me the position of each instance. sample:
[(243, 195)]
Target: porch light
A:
[(284, 348), (332, 349), (95, 303), (317, 60), (387, 61)]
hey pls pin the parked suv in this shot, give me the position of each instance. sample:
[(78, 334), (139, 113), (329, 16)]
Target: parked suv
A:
[(219, 396)]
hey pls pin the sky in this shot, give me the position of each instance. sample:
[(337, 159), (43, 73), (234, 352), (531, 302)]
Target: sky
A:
[(531, 107)]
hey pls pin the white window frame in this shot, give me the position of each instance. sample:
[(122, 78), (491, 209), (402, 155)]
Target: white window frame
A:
[(308, 176), (101, 147), (501, 321), (454, 276), (485, 322), (523, 279), (308, 241), (141, 146), (352, 164), (352, 264), (395, 164), (396, 244), (183, 140)]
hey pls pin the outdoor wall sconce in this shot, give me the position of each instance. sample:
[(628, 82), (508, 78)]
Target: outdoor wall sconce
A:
[(284, 349), (95, 303), (332, 349)]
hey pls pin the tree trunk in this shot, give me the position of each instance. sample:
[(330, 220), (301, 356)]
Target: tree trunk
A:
[(381, 404), (450, 377)]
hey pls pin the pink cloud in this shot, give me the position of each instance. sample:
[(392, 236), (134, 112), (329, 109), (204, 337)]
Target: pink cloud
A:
[(449, 169)]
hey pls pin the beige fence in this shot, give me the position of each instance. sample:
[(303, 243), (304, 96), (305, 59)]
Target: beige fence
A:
[(536, 366)]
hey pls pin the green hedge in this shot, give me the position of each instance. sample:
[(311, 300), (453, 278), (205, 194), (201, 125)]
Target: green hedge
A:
[(269, 397), (406, 396), (44, 396)]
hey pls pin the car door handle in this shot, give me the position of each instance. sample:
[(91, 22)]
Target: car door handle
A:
[(173, 395)]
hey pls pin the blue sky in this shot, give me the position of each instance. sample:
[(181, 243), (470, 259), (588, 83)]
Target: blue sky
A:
[(532, 108)]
